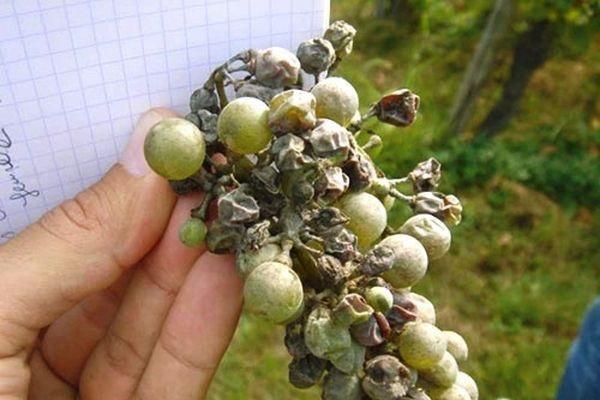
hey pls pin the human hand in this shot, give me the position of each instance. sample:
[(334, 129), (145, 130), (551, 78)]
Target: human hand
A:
[(99, 300)]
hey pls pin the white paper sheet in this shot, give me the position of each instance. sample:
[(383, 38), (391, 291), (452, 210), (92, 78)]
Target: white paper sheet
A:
[(76, 74)]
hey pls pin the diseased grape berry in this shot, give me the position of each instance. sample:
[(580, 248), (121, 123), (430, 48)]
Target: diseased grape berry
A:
[(273, 291), (457, 346), (292, 111), (316, 55), (454, 392), (433, 234), (466, 382), (367, 216), (421, 345), (443, 373), (276, 67), (192, 232), (244, 125), (291, 189), (337, 100), (174, 148), (407, 260)]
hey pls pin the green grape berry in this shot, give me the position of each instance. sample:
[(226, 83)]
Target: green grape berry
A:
[(367, 215), (466, 382), (457, 346), (243, 126), (409, 260), (192, 232), (323, 337), (175, 148), (380, 298), (336, 100), (421, 345), (443, 373), (274, 291), (433, 234), (454, 392)]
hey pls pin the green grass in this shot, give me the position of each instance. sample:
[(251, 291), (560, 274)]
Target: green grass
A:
[(524, 264)]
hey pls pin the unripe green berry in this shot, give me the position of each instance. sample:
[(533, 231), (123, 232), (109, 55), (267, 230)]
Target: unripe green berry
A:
[(454, 392), (443, 373), (457, 346), (336, 100), (433, 234), (421, 344), (466, 382), (274, 291), (175, 148), (380, 298), (243, 126), (192, 232), (409, 260), (367, 215)]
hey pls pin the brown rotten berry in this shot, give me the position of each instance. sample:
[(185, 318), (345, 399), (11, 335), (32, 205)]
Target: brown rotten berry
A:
[(398, 108)]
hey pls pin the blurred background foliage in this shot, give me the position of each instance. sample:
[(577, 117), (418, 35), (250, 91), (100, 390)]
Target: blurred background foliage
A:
[(525, 261)]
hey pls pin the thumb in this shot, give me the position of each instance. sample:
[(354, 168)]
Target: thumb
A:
[(86, 243)]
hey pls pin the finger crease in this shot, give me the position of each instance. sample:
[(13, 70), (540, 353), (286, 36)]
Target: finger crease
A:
[(170, 291), (120, 353), (183, 360)]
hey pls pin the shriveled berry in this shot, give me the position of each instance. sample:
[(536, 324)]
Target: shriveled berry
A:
[(292, 111), (367, 215), (276, 67), (175, 148), (454, 392), (337, 100), (274, 291), (306, 372), (330, 140), (433, 234), (340, 386), (192, 232), (386, 378), (416, 304), (323, 337), (341, 35), (254, 89), (466, 382), (243, 126), (349, 360), (457, 346), (408, 263), (421, 345), (352, 309), (443, 373), (316, 55)]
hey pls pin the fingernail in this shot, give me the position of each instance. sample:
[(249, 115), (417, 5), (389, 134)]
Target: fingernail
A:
[(133, 157)]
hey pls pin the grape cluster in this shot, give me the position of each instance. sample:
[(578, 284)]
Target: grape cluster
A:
[(304, 209)]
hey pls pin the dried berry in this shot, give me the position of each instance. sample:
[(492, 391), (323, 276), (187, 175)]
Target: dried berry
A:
[(175, 148), (426, 175), (323, 337), (386, 378), (329, 140), (203, 99), (398, 108), (306, 371), (341, 35), (340, 386), (256, 90), (316, 55), (352, 309), (276, 67)]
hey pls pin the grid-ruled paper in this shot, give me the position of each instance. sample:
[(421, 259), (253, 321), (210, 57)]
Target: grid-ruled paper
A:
[(76, 74)]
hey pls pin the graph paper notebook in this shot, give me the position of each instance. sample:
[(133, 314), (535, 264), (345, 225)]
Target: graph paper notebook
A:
[(76, 74)]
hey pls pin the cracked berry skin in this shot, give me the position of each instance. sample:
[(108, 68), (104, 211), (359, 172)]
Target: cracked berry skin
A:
[(175, 148), (244, 126), (274, 291)]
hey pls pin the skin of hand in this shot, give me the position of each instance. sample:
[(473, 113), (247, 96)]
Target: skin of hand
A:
[(100, 300)]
